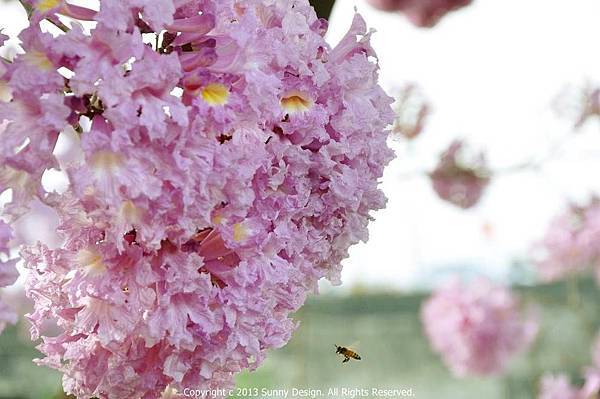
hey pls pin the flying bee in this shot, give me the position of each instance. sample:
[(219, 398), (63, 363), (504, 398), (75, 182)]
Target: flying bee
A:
[(347, 353)]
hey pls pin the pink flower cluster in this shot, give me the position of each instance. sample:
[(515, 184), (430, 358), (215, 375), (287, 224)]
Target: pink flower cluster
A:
[(459, 180), (424, 13), (570, 245), (558, 386), (476, 327), (225, 168), (8, 275)]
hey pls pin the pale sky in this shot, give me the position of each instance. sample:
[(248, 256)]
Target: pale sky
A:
[(491, 71)]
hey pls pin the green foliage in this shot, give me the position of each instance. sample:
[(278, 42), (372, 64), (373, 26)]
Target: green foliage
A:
[(395, 353)]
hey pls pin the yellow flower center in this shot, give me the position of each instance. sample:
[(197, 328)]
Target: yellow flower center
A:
[(215, 94), (5, 92), (106, 162), (130, 213), (240, 232), (217, 219), (47, 5), (91, 262), (296, 101), (170, 393), (14, 178), (39, 60)]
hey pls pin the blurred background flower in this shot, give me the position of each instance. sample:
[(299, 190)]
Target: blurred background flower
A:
[(571, 244), (459, 179), (423, 13), (477, 327)]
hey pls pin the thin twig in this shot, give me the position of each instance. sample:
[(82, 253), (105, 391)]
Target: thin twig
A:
[(533, 165), (59, 25), (28, 8)]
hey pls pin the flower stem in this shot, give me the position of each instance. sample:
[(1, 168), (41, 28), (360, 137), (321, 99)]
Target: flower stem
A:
[(29, 10)]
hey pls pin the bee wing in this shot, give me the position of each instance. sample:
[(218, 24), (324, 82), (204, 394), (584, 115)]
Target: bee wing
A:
[(354, 346)]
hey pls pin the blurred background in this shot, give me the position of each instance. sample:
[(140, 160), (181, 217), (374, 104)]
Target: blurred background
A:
[(395, 353), (506, 77)]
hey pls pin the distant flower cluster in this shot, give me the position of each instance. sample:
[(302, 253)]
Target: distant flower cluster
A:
[(459, 180), (460, 176), (570, 245), (477, 327), (424, 13), (224, 168)]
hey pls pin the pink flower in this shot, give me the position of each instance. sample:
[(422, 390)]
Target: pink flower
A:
[(223, 171), (412, 110), (591, 387), (557, 387), (458, 180), (570, 243), (476, 328), (424, 13)]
